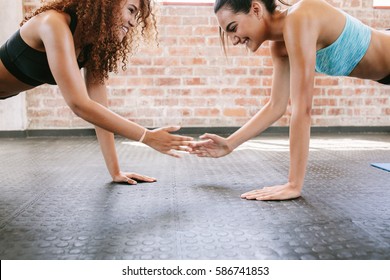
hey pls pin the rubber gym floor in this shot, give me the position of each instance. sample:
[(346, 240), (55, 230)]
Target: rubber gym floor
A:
[(57, 202)]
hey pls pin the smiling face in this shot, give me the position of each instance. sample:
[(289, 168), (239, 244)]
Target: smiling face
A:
[(129, 12), (243, 28)]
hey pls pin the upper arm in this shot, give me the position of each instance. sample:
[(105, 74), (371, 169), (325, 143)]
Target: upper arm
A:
[(301, 38), (97, 91), (60, 50), (280, 91)]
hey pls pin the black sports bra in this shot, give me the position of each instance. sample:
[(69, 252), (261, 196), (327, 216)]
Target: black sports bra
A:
[(27, 64)]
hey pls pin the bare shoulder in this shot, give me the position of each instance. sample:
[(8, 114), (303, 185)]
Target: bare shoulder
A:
[(316, 19), (313, 10), (309, 6), (53, 20), (305, 10), (46, 22), (302, 22), (42, 25)]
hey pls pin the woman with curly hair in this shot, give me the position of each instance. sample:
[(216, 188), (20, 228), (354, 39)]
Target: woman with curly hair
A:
[(310, 36), (63, 36)]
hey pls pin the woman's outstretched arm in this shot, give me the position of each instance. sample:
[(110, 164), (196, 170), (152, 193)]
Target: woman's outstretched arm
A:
[(59, 46), (300, 38), (216, 146), (98, 93)]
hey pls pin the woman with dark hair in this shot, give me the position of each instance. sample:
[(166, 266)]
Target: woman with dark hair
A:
[(63, 36), (310, 36)]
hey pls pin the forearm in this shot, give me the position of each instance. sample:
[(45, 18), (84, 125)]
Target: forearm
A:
[(299, 148), (107, 146), (102, 117), (256, 125)]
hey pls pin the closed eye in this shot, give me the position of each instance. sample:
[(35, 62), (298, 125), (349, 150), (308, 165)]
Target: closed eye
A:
[(133, 9), (232, 27)]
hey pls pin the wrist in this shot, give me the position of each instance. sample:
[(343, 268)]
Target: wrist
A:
[(295, 185), (230, 143), (115, 173), (142, 138)]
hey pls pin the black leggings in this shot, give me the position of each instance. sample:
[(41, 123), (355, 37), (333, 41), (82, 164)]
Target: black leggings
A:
[(385, 80)]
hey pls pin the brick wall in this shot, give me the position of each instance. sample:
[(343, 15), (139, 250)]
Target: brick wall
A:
[(188, 81)]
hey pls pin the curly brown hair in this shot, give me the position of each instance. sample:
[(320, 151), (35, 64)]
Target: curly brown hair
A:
[(98, 21)]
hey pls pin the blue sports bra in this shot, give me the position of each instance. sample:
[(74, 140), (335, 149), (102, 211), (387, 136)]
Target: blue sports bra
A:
[(28, 65), (342, 56)]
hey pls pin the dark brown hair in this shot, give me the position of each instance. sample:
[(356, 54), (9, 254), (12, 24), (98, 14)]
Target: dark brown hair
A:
[(242, 6)]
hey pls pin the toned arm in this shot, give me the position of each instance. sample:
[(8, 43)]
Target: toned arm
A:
[(301, 39), (275, 107), (60, 49), (98, 93)]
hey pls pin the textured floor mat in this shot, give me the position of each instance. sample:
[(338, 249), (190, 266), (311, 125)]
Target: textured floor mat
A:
[(57, 202)]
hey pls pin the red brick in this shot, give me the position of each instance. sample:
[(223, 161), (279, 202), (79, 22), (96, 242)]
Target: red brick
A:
[(188, 80), (235, 112), (167, 82), (207, 112)]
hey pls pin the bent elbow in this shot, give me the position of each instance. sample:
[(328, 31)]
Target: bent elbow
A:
[(76, 109), (282, 112), (305, 111), (277, 110), (79, 108), (302, 115)]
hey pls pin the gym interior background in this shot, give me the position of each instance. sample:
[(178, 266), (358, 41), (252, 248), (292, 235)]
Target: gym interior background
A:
[(187, 80), (56, 196)]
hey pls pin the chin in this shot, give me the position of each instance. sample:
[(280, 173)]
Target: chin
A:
[(254, 48), (122, 38)]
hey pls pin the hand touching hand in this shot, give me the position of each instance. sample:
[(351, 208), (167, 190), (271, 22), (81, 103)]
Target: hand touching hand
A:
[(161, 140), (213, 146)]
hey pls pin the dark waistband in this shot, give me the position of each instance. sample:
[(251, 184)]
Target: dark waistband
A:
[(385, 80), (14, 70)]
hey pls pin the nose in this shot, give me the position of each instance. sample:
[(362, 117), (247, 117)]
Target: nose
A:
[(132, 21), (235, 40)]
